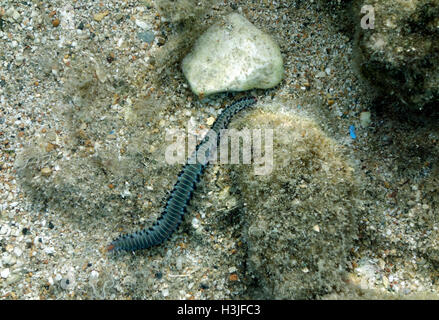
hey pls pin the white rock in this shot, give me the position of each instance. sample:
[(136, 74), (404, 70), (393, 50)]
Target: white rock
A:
[(15, 232), (49, 250), (141, 24), (195, 223), (4, 230), (8, 260), (233, 56), (94, 275), (5, 273)]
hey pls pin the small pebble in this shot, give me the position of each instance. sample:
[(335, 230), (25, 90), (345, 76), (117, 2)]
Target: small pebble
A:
[(68, 282), (18, 252), (204, 286), (321, 74), (5, 273), (365, 119), (233, 277), (210, 121), (94, 275), (141, 24), (19, 59), (179, 263), (4, 230), (46, 171), (8, 260), (195, 223), (49, 250), (99, 16), (385, 282), (65, 283), (146, 36)]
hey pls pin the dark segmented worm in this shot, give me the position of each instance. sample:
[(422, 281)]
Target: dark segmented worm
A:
[(181, 194)]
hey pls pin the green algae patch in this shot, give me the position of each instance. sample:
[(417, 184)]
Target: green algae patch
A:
[(301, 218)]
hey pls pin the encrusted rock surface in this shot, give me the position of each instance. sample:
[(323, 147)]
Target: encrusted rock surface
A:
[(400, 55)]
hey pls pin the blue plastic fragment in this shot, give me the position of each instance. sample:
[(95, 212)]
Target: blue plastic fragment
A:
[(352, 132)]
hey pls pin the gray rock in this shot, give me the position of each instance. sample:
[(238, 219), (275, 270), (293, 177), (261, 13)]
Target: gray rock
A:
[(233, 55), (146, 36)]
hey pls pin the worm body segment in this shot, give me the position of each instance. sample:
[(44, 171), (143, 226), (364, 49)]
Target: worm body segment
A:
[(181, 194)]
